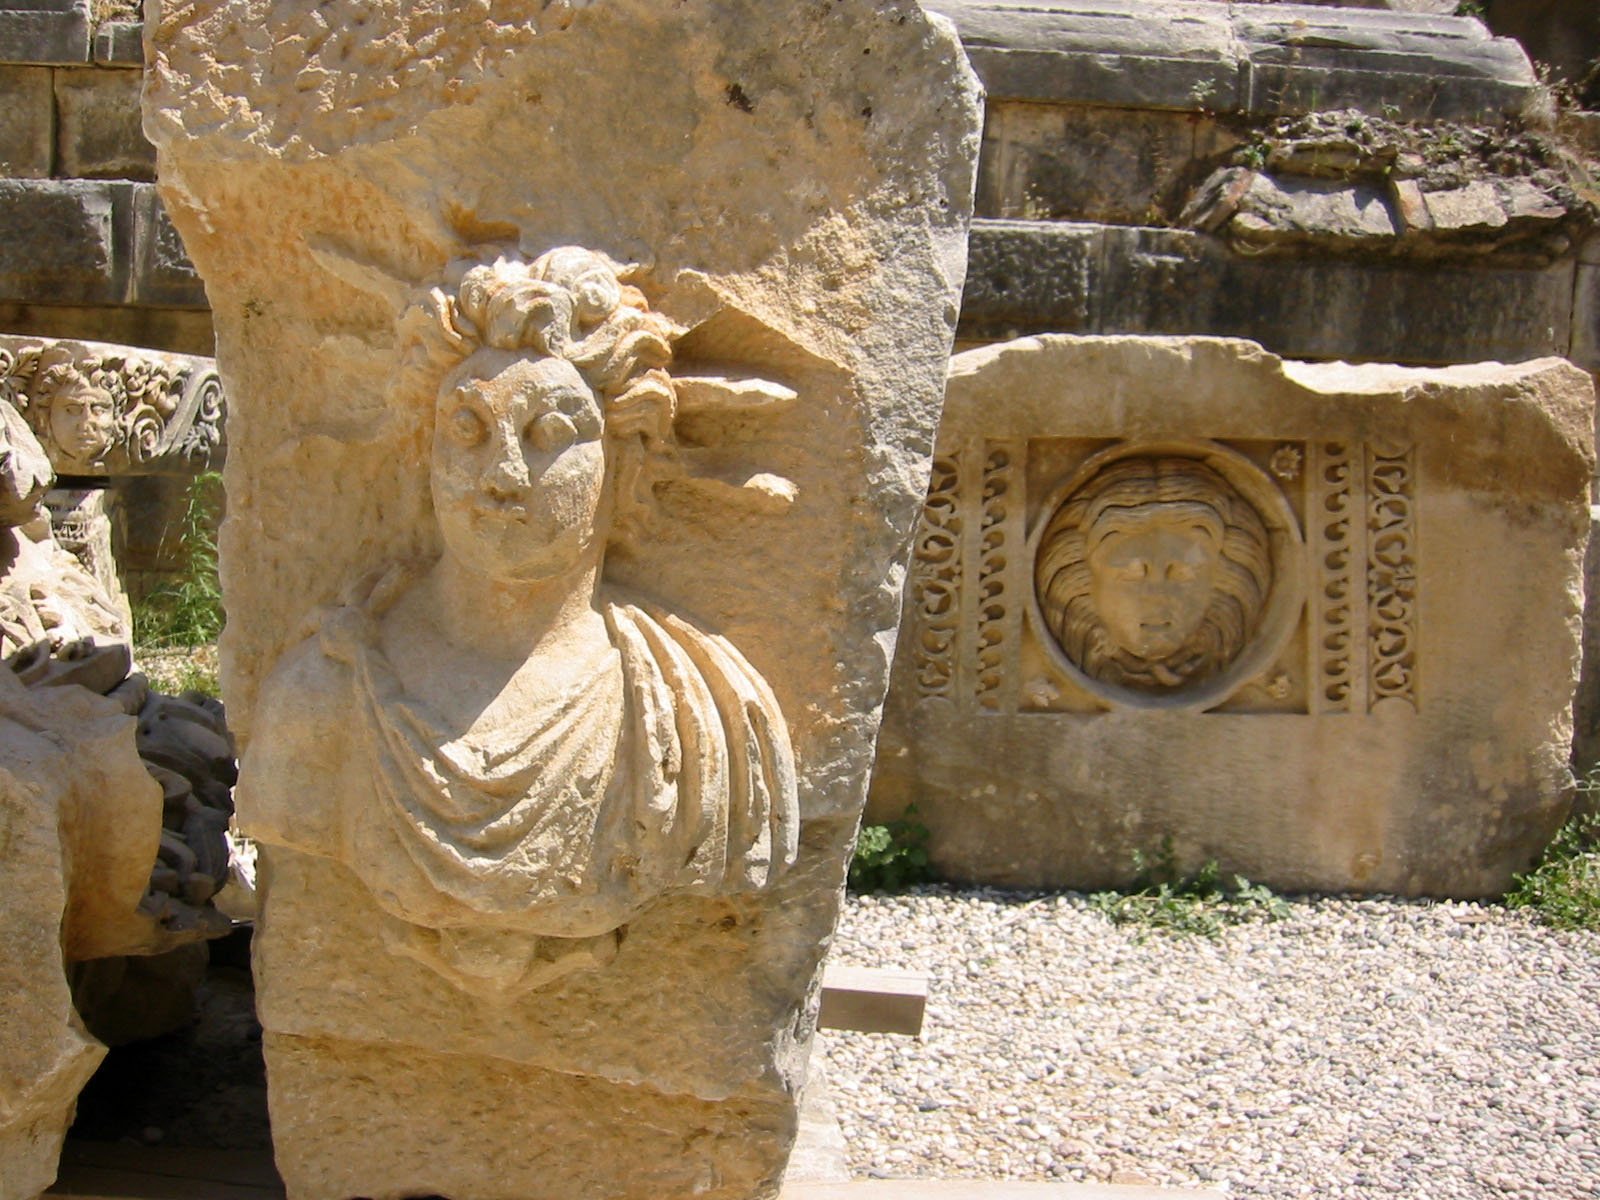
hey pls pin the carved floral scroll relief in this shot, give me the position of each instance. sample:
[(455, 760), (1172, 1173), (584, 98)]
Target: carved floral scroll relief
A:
[(543, 755), (102, 410), (1189, 574)]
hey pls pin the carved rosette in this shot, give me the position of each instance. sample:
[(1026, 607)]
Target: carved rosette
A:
[(101, 410)]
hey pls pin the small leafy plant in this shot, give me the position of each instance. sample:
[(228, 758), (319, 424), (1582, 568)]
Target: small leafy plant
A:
[(1163, 899), (1563, 889), (1255, 155), (891, 857), (188, 612)]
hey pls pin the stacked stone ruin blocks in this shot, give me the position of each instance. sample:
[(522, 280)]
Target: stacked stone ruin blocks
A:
[(88, 248), (1102, 118)]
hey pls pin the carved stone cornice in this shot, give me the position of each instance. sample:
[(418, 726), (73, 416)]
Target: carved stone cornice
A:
[(107, 410)]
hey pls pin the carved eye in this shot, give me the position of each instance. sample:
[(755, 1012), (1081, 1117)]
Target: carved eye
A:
[(1137, 569), (1180, 572), (552, 432), (466, 427)]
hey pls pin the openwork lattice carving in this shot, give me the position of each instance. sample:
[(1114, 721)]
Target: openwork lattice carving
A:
[(936, 583), (1392, 576), (992, 651)]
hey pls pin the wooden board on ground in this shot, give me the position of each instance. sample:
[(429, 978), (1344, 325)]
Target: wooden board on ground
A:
[(116, 1171), (103, 1171), (984, 1189), (872, 1000)]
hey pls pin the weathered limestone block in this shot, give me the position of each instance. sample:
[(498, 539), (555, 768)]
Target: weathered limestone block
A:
[(25, 122), (1049, 276), (97, 130), (1257, 58), (61, 241), (94, 807), (44, 31), (1317, 622), (79, 821), (582, 365), (82, 528)]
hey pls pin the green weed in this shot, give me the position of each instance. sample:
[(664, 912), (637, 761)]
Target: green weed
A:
[(1255, 155), (1164, 899), (188, 612), (1563, 889), (891, 857)]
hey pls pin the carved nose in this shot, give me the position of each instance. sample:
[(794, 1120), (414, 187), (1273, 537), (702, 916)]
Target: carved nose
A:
[(508, 480)]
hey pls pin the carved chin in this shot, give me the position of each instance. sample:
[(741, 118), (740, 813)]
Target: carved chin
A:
[(1154, 640), (85, 451)]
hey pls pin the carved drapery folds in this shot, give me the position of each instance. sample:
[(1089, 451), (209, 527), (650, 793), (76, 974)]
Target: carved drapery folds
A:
[(102, 410), (499, 841)]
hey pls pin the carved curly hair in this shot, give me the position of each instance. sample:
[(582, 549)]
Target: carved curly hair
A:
[(568, 303), (1118, 496)]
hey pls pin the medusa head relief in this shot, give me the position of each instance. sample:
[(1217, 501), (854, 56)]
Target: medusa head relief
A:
[(1164, 574)]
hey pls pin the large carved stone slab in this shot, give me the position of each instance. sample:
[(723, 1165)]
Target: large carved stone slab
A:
[(583, 362), (1318, 622)]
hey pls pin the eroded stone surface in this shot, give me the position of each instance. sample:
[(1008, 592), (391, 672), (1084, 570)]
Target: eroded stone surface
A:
[(79, 819), (583, 365), (1316, 622)]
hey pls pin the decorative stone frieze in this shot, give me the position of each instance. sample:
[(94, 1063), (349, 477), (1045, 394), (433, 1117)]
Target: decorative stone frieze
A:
[(103, 410)]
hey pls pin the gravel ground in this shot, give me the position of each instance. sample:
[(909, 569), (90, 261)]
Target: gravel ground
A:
[(1358, 1049)]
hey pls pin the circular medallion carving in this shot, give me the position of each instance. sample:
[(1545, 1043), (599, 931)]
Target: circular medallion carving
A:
[(1166, 574)]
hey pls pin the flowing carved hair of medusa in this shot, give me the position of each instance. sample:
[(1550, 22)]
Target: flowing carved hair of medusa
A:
[(568, 303), (1124, 496)]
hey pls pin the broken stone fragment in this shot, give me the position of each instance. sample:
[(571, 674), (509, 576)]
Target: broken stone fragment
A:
[(1276, 213)]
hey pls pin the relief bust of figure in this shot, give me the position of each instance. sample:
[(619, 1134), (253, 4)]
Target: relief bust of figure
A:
[(538, 756), (1154, 573)]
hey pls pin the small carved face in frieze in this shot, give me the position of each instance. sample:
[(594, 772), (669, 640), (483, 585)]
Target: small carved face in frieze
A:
[(83, 423), (1154, 573), (519, 466)]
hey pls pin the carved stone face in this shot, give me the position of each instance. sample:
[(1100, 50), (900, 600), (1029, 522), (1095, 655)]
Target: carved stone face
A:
[(519, 466), (1153, 580), (83, 424)]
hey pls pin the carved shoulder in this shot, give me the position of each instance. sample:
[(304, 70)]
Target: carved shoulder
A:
[(291, 769)]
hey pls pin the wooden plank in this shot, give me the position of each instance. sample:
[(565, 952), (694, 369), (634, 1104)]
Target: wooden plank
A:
[(871, 1000), (103, 1171), (118, 1171), (983, 1189)]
